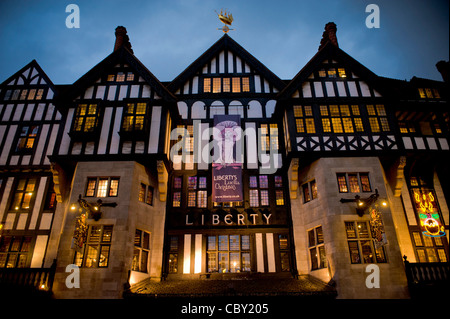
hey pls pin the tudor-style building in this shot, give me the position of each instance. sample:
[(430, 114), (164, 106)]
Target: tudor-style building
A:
[(325, 174)]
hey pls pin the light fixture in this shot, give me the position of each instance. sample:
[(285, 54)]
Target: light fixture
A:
[(93, 210), (362, 204)]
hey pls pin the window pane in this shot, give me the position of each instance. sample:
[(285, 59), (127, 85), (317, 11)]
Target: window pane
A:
[(135, 261), (279, 197), (263, 181), (212, 262), (322, 257), (313, 189), (363, 231), (114, 187), (212, 243), (191, 199), (306, 195), (254, 198), (319, 235), (365, 183), (94, 235), (173, 263), (144, 261), (173, 243), (300, 125), (202, 182), (353, 183), (91, 256), (223, 242), (350, 229), (202, 200), (102, 187), (107, 234), (90, 190), (176, 199), (245, 85), (342, 183), (354, 252), (149, 199), (223, 262), (284, 256), (367, 252), (278, 181), (253, 182), (207, 85), (234, 242), (246, 262), (216, 85), (313, 256), (311, 238), (264, 198), (283, 241), (226, 85), (177, 182), (310, 126), (235, 262), (137, 238), (104, 256), (245, 242), (236, 82), (380, 255)]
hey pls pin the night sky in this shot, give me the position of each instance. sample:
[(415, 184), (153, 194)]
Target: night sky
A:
[(168, 35)]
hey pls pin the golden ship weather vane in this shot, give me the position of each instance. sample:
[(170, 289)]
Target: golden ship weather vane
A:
[(227, 19)]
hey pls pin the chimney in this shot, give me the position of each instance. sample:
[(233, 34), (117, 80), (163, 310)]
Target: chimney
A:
[(122, 39), (329, 35), (443, 68)]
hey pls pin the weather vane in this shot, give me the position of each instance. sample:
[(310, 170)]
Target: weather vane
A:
[(226, 18)]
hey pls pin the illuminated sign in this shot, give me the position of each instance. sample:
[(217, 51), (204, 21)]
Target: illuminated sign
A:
[(427, 210)]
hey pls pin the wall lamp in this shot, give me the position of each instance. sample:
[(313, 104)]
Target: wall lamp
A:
[(93, 210), (362, 204)]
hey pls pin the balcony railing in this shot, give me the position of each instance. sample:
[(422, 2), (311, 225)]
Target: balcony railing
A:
[(31, 280), (425, 278)]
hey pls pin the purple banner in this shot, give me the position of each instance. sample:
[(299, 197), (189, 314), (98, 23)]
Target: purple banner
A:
[(227, 169)]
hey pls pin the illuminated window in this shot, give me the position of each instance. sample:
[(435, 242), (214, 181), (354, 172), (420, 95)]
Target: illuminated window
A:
[(216, 85), (422, 93), (322, 73), (236, 85), (141, 251), (304, 120), (226, 85), (360, 244), (245, 84), (309, 191), (359, 125), (316, 248), (27, 138), (374, 126), (429, 93), (207, 85), (102, 187), (23, 95), (134, 117), (436, 94), (228, 253), (120, 77), (96, 251), (86, 118), (40, 93), (254, 198), (353, 182), (32, 94), (326, 125), (283, 244), (342, 73), (173, 254), (337, 125), (279, 197), (130, 77), (191, 199), (332, 73), (23, 194), (15, 251), (146, 194)]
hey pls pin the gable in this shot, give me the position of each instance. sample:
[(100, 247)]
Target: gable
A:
[(30, 83), (331, 73), (119, 76), (226, 68)]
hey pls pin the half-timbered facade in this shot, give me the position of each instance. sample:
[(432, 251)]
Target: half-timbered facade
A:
[(118, 174)]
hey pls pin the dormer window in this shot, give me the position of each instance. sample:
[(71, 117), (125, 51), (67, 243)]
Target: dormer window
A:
[(86, 118)]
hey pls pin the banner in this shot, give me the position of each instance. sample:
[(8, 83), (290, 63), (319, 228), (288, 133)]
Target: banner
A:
[(427, 209), (227, 165)]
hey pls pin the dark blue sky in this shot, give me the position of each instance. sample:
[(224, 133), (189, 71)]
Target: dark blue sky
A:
[(168, 35)]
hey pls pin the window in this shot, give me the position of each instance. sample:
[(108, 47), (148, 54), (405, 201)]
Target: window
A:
[(360, 244), (176, 200), (173, 254), (141, 251), (134, 117), (428, 93), (269, 137), (86, 118), (23, 194), (353, 182), (102, 187), (228, 253), (317, 248), (197, 192), (96, 250), (14, 251), (261, 195), (377, 118), (146, 194), (225, 84), (341, 119), (27, 138), (283, 243), (309, 191), (304, 119)]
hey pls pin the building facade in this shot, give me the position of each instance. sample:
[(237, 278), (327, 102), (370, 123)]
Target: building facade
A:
[(224, 173)]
